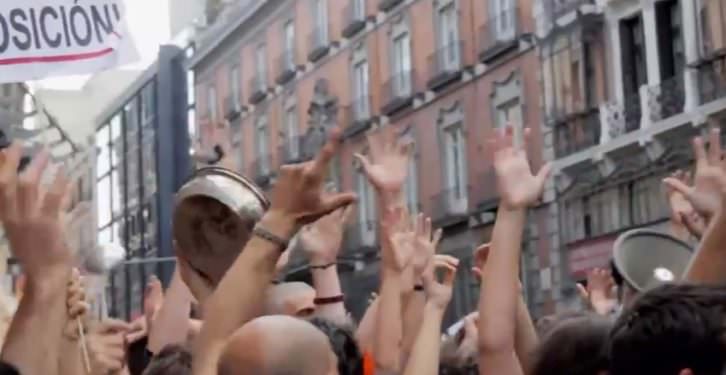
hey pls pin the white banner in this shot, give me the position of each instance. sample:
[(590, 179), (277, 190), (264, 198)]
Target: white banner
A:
[(43, 38)]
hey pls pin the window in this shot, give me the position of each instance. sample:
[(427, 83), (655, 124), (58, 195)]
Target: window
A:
[(212, 103), (510, 113), (262, 146), (366, 202), (360, 87), (235, 78), (411, 186), (359, 9), (448, 37), (402, 64), (455, 160), (289, 35), (670, 39), (320, 14), (291, 132), (504, 13), (261, 66), (634, 58)]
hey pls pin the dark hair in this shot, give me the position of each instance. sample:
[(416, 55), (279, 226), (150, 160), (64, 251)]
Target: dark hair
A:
[(573, 345), (172, 360), (345, 347), (671, 328), (469, 368)]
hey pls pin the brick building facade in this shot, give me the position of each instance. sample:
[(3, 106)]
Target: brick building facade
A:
[(444, 73)]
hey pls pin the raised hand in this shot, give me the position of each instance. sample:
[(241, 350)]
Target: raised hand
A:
[(709, 180), (299, 194), (600, 293), (153, 299), (481, 254), (518, 187), (107, 347), (399, 234), (387, 166), (439, 292), (322, 240), (425, 240), (32, 216)]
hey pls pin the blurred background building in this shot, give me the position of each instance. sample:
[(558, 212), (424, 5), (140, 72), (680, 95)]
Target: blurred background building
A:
[(444, 73)]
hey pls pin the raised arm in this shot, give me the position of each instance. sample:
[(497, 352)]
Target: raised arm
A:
[(32, 219), (170, 324), (297, 200), (424, 359), (706, 196), (321, 242), (518, 189)]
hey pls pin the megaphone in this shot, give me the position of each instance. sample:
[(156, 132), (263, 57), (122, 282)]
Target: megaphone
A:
[(214, 214), (646, 258)]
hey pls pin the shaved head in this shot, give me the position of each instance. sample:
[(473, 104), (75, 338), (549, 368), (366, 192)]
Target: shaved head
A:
[(278, 345), (292, 299)]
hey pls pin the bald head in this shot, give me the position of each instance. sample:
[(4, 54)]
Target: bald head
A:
[(292, 299), (278, 345)]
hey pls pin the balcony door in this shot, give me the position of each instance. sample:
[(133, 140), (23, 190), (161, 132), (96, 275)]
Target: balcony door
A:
[(449, 54), (503, 16), (402, 64)]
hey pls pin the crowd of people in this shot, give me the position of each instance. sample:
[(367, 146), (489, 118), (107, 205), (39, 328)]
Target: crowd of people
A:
[(250, 324)]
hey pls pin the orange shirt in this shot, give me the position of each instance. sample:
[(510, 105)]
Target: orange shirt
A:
[(369, 364)]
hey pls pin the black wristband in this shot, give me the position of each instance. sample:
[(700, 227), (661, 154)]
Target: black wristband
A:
[(322, 266), (418, 288), (329, 300), (270, 237)]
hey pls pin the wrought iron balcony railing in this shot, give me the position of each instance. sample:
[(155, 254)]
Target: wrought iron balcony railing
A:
[(386, 5), (357, 116), (499, 34), (286, 66), (355, 16), (291, 150), (398, 91), (258, 87), (318, 43), (667, 99), (557, 8), (577, 133), (449, 204), (445, 64), (262, 169)]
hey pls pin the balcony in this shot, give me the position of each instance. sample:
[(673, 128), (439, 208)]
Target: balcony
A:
[(262, 170), (449, 206), (576, 133), (354, 15), (558, 8), (712, 79), (632, 111), (361, 236), (292, 150), (232, 108), (398, 92), (667, 99), (500, 34), (318, 43), (386, 5), (445, 65), (357, 117), (286, 68), (258, 88)]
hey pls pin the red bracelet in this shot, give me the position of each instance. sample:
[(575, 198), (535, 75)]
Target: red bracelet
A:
[(329, 300)]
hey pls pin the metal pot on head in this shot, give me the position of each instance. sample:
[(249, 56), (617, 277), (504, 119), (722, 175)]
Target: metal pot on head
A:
[(214, 214)]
